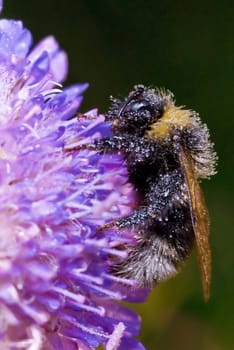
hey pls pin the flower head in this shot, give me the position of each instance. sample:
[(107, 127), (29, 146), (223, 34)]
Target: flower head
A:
[(56, 288)]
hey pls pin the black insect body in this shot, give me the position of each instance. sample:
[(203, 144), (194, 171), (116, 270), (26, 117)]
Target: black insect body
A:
[(167, 150)]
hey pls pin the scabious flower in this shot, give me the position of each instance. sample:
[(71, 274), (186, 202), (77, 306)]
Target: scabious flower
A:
[(56, 288)]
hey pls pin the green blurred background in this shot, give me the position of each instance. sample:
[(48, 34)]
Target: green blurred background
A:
[(187, 47)]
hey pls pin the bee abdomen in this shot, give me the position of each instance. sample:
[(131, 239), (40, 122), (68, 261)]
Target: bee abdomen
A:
[(151, 260)]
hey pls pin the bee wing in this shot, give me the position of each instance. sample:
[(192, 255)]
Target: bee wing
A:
[(200, 221)]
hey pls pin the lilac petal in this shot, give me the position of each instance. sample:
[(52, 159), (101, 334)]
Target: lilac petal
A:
[(48, 44), (40, 68), (14, 39), (1, 5), (75, 90), (68, 101), (59, 66), (56, 287), (92, 337), (139, 295), (58, 58), (55, 135), (130, 343), (64, 99), (23, 43), (61, 343), (128, 317)]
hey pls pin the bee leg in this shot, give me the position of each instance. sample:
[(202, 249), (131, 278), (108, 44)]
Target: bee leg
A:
[(125, 144), (160, 200), (87, 146), (111, 224), (136, 218), (102, 145)]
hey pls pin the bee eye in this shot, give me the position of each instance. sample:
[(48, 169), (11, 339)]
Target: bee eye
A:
[(140, 108)]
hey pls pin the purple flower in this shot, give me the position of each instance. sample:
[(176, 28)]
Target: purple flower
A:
[(56, 288)]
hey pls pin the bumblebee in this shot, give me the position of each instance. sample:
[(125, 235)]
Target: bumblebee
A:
[(167, 151)]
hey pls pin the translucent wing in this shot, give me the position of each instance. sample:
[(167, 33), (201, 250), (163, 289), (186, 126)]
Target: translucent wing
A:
[(200, 221)]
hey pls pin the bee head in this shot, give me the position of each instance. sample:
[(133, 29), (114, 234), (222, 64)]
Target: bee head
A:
[(137, 112)]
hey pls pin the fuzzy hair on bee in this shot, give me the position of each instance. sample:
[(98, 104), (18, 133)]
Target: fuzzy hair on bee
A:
[(167, 151)]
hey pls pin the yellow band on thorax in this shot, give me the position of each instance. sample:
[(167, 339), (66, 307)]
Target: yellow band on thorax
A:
[(172, 117)]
